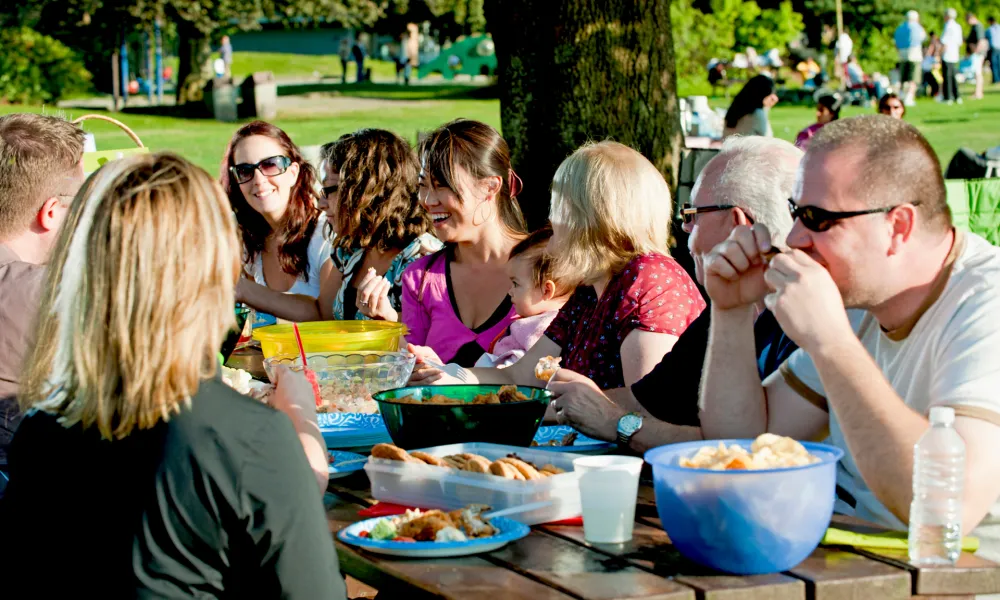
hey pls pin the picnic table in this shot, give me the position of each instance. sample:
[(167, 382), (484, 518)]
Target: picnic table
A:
[(555, 562)]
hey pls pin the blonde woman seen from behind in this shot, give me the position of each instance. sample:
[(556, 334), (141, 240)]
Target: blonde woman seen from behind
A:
[(610, 214), (187, 487)]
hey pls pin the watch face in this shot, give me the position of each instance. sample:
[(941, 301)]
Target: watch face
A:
[(629, 424)]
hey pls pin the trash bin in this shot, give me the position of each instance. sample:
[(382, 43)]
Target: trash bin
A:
[(260, 96), (221, 97)]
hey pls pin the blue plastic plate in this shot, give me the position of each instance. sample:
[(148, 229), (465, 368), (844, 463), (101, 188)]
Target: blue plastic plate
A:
[(352, 430), (345, 463), (509, 532), (583, 443)]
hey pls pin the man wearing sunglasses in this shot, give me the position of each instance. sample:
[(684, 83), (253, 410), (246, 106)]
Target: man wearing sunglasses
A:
[(746, 183), (872, 232)]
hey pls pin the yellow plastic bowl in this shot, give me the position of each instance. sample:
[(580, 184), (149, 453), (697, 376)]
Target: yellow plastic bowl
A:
[(330, 336)]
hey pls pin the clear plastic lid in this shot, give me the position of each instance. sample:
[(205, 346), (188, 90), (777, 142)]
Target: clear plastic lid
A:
[(942, 415)]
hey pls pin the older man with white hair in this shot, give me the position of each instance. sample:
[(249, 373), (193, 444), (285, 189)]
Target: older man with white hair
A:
[(748, 182), (909, 37)]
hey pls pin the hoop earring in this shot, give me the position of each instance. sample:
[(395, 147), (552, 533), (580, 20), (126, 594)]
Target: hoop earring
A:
[(490, 212)]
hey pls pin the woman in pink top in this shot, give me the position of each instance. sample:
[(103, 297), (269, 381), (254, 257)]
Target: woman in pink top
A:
[(455, 301), (610, 214)]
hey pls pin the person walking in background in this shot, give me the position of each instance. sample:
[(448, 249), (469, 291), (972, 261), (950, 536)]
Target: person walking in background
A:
[(344, 52), (226, 54), (993, 37), (909, 38), (951, 41), (412, 48), (932, 67), (976, 46), (358, 53)]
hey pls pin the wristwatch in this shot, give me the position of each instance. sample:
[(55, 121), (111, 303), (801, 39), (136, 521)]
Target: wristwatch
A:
[(628, 426)]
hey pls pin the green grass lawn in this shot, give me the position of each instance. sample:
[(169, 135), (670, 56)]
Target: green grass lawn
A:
[(297, 66), (973, 124)]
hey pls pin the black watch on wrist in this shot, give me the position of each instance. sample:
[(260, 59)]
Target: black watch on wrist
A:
[(628, 426)]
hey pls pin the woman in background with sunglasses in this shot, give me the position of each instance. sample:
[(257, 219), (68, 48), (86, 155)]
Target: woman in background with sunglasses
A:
[(286, 254)]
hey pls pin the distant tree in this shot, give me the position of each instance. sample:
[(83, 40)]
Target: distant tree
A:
[(582, 70)]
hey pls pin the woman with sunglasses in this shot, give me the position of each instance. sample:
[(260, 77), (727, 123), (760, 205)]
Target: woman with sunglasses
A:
[(288, 272), (370, 199), (892, 105)]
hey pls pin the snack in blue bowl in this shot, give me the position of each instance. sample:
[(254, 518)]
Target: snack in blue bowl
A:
[(743, 509)]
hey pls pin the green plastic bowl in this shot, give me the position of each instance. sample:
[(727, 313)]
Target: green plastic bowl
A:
[(425, 425)]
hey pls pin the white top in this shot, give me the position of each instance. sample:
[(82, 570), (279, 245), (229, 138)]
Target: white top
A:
[(845, 47), (951, 39), (949, 358), (318, 253)]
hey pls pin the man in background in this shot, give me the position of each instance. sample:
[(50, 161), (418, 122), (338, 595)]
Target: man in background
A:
[(226, 54), (909, 38), (993, 37), (41, 169), (951, 39), (976, 47)]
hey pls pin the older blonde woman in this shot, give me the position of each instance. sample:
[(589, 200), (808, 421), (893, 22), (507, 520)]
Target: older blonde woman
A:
[(610, 216), (133, 444)]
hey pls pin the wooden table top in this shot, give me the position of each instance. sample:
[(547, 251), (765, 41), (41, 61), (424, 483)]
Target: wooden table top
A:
[(555, 562)]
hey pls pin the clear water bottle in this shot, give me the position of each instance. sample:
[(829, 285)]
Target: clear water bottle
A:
[(935, 536)]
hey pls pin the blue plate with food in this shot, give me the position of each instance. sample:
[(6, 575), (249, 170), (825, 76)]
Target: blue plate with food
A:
[(563, 438), (343, 464), (434, 533)]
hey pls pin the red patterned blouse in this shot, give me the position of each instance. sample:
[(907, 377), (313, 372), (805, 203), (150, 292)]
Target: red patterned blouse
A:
[(653, 293)]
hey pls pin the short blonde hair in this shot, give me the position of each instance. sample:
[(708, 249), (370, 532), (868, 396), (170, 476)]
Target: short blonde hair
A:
[(139, 297), (613, 206)]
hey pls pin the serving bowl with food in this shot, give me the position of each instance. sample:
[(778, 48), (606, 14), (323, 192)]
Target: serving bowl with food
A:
[(347, 380), (451, 414), (434, 533), (745, 506), (504, 477)]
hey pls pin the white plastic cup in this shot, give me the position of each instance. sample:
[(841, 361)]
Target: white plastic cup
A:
[(609, 486)]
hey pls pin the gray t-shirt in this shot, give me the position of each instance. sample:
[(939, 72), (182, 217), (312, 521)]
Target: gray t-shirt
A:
[(21, 286)]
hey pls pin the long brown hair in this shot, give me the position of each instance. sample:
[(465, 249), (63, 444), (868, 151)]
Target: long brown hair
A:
[(482, 152), (138, 297), (300, 218), (377, 202)]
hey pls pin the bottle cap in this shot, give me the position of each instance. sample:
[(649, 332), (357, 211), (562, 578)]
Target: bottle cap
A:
[(942, 415)]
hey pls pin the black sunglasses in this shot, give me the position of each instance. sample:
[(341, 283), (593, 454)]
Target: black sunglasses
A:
[(819, 219), (269, 167), (688, 212), (330, 189)]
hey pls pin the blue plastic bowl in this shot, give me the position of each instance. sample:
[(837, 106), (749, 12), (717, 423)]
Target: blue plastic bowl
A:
[(744, 522)]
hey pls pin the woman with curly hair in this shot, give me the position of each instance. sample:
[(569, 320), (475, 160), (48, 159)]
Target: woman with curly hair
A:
[(370, 199), (286, 255)]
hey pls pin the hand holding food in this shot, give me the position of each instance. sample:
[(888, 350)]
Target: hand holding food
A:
[(547, 367)]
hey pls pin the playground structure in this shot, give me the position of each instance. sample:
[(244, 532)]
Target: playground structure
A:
[(471, 56)]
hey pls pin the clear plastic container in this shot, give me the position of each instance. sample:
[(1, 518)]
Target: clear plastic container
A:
[(426, 486), (935, 534)]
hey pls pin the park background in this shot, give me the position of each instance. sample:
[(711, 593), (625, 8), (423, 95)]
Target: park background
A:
[(565, 71)]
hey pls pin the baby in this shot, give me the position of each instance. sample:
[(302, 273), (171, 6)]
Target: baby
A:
[(536, 298)]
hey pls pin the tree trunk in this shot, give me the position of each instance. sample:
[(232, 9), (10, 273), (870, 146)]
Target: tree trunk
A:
[(583, 70), (195, 64)]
